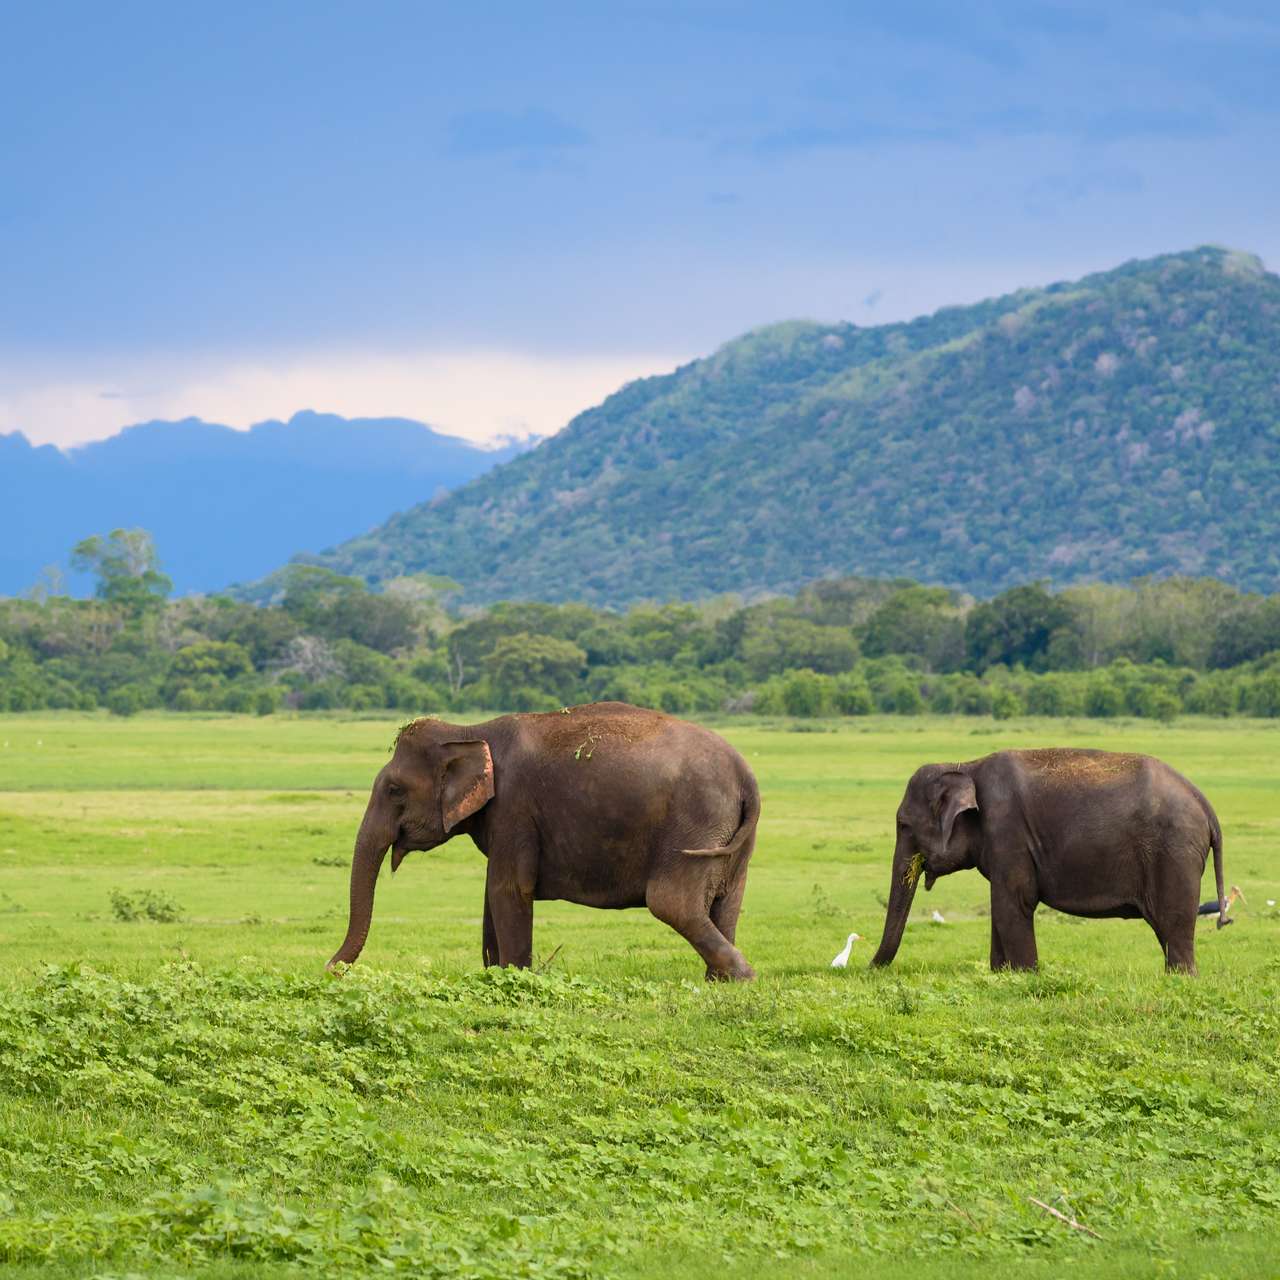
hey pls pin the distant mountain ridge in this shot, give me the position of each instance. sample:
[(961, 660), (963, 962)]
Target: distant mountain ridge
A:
[(1124, 424), (224, 505)]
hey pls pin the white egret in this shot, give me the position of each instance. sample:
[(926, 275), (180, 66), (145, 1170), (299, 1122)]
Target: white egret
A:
[(843, 958)]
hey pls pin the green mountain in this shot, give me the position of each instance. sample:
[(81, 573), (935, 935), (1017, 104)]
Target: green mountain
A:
[(1123, 425)]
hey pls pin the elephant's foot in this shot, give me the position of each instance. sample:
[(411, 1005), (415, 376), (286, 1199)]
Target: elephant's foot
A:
[(738, 971)]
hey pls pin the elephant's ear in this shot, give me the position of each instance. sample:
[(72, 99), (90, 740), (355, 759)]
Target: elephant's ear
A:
[(958, 796), (467, 782)]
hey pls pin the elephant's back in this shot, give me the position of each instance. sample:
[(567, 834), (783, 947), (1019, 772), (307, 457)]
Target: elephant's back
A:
[(1114, 785), (1080, 766), (617, 788), (621, 732)]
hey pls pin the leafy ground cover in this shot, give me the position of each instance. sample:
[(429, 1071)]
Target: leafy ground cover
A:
[(183, 1091)]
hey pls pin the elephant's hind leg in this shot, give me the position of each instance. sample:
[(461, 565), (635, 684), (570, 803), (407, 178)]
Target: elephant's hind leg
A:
[(674, 904), (1174, 903), (1178, 941), (726, 908)]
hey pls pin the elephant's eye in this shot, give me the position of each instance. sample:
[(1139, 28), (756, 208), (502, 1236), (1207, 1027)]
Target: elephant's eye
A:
[(395, 789)]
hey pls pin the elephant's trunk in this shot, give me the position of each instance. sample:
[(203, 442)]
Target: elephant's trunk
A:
[(901, 892), (371, 847)]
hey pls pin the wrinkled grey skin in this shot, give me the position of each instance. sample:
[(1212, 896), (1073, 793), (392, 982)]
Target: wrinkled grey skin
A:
[(607, 805), (1090, 833)]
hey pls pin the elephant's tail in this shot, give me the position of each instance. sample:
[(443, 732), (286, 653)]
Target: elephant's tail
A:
[(746, 825), (1215, 843)]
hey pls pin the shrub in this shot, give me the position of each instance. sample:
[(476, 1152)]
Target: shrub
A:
[(1005, 703), (239, 699), (1212, 696), (266, 701), (1103, 697), (147, 904), (963, 694), (363, 697), (186, 699), (1262, 698), (126, 700), (803, 694), (851, 696), (1154, 702), (903, 698)]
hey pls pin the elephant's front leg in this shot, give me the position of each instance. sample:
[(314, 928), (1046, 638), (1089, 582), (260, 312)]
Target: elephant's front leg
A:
[(998, 960), (1013, 928), (508, 895), (489, 943)]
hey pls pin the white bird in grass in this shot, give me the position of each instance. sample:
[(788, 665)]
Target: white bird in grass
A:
[(937, 918), (843, 958)]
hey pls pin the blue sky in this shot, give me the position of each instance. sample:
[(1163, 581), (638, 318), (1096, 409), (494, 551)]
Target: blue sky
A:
[(489, 215)]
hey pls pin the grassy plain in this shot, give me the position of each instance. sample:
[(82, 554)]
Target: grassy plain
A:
[(198, 1098)]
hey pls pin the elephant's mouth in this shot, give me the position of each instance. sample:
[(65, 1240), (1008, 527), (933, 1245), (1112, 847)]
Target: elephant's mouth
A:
[(930, 875), (398, 851), (411, 840)]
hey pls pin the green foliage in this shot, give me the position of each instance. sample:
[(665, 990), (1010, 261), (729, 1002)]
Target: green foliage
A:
[(1103, 697), (1016, 628), (341, 608), (771, 643), (210, 657), (802, 694), (1118, 426), (837, 647), (1262, 696), (146, 904), (1055, 696), (1005, 704), (127, 568), (921, 621), (126, 699), (524, 669), (852, 696)]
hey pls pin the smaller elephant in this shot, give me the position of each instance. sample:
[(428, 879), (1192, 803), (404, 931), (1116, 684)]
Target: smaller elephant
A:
[(1089, 833), (607, 805)]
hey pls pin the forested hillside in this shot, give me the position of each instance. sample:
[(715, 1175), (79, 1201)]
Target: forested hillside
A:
[(839, 647), (226, 505), (1123, 425)]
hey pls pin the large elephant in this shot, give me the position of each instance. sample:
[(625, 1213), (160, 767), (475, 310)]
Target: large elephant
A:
[(1091, 833), (607, 805)]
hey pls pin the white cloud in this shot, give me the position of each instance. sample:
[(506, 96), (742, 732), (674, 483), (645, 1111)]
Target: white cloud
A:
[(479, 394)]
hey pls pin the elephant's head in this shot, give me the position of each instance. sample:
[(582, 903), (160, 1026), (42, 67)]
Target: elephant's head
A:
[(432, 784), (938, 832)]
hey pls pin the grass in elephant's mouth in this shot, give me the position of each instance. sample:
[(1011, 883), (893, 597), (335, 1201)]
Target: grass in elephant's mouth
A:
[(914, 869), (198, 1098)]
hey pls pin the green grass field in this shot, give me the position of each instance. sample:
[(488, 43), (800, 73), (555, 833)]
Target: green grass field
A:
[(198, 1097)]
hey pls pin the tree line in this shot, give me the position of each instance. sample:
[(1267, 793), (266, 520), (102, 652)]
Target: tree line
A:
[(846, 646)]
